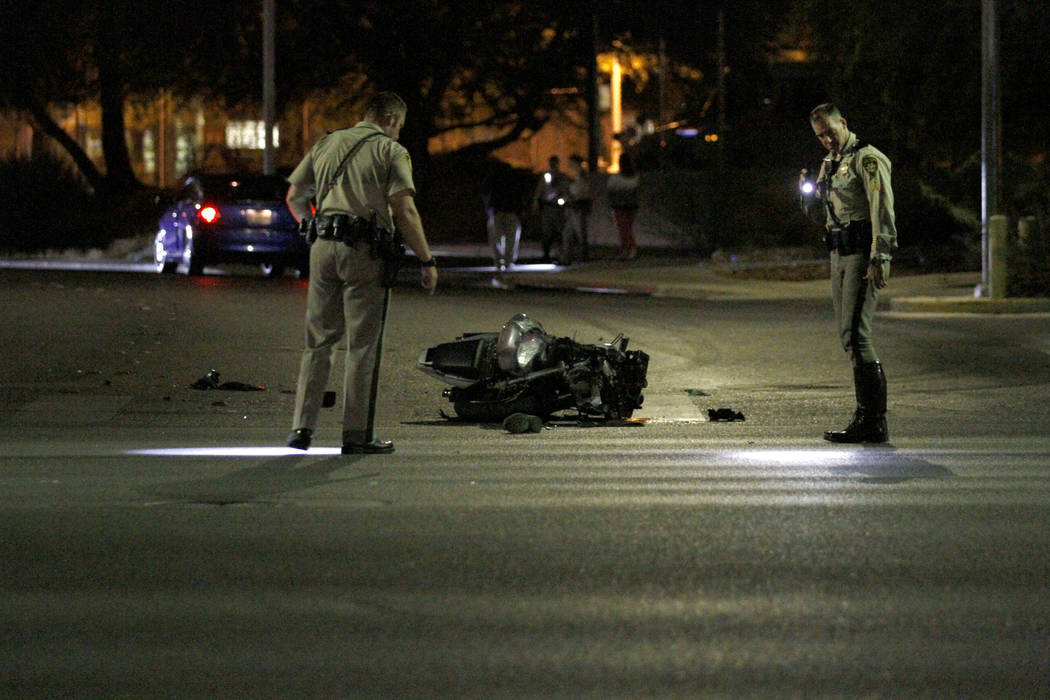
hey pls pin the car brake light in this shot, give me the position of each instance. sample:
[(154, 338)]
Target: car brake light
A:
[(208, 214)]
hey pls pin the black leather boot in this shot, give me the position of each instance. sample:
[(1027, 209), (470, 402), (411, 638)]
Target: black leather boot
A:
[(300, 438), (869, 420)]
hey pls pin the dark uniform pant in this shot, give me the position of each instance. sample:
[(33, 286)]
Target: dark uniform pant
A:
[(854, 299), (346, 298), (552, 222)]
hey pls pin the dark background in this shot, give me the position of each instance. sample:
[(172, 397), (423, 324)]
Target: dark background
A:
[(907, 75)]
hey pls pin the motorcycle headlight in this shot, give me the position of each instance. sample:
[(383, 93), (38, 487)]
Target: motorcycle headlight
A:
[(528, 350)]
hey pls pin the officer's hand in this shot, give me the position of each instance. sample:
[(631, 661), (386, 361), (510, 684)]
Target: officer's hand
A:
[(878, 273), (429, 278)]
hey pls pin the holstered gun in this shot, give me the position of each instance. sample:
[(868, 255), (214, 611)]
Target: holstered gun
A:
[(308, 229), (388, 246)]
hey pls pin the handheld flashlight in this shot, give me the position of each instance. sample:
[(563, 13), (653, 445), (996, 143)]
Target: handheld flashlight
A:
[(804, 184)]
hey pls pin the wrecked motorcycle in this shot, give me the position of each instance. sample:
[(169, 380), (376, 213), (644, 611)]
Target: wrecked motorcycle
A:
[(523, 369)]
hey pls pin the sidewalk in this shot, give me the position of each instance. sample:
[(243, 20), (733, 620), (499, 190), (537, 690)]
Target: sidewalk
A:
[(662, 275), (658, 274)]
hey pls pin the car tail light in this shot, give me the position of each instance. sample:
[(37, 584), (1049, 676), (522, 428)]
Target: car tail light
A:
[(208, 214)]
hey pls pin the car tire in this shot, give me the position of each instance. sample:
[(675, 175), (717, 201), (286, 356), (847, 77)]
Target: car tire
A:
[(192, 261), (271, 269), (160, 256)]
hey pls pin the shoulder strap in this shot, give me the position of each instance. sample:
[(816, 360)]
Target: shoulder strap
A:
[(341, 167)]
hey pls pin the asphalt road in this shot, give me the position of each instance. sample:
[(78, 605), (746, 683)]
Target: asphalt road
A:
[(158, 541)]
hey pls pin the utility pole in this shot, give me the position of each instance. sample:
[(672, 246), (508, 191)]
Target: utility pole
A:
[(663, 80), (722, 70), (594, 124), (991, 134), (268, 85)]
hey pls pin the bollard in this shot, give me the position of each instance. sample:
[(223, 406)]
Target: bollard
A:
[(1025, 232), (997, 256)]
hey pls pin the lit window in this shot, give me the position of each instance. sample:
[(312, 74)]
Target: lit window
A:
[(249, 134)]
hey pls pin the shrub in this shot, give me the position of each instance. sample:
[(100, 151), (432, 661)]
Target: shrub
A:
[(47, 206)]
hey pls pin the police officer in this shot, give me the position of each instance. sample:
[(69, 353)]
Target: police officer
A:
[(549, 200), (853, 198), (357, 175)]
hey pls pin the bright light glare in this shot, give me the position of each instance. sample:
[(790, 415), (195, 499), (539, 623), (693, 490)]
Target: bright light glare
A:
[(231, 451), (807, 188), (794, 457)]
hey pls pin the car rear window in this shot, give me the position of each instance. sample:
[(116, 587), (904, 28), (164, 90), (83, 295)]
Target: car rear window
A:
[(242, 188)]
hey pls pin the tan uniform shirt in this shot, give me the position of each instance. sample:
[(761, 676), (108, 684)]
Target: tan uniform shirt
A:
[(380, 168), (860, 190)]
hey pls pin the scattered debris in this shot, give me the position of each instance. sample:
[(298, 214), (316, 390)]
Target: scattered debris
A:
[(523, 423), (210, 381), (724, 414)]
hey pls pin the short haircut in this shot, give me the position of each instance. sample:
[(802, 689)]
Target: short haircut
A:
[(825, 111), (384, 103)]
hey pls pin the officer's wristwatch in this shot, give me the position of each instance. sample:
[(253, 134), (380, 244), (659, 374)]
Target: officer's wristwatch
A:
[(429, 263)]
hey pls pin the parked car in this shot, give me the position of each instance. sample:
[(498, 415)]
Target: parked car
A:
[(231, 218)]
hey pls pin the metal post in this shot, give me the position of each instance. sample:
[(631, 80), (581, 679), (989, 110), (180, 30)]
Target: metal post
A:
[(161, 146), (268, 85), (594, 124), (991, 129), (663, 80), (1026, 233), (722, 70), (997, 252)]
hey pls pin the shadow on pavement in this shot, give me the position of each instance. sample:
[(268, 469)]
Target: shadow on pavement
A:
[(269, 478), (884, 465)]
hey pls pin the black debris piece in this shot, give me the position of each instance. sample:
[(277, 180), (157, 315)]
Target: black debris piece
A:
[(724, 414), (210, 381)]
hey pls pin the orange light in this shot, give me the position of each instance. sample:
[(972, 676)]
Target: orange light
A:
[(209, 214)]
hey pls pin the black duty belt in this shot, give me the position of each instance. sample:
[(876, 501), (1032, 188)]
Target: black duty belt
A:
[(854, 237), (342, 227)]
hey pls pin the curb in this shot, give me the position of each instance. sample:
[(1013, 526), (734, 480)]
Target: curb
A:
[(970, 305)]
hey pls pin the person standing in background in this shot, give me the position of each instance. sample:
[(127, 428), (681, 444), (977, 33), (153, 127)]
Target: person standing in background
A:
[(623, 200), (549, 201), (503, 202)]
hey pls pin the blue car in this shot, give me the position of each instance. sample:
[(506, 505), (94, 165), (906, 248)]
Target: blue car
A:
[(231, 218)]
